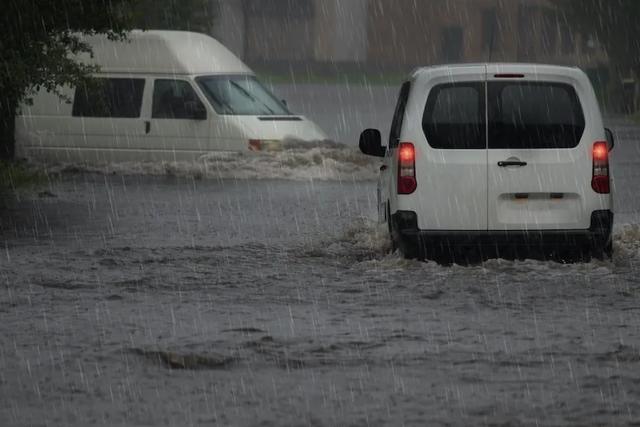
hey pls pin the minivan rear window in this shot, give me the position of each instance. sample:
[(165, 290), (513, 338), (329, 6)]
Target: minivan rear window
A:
[(454, 116), (109, 97), (534, 115)]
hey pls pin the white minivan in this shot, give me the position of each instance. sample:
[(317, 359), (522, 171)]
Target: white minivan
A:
[(486, 160), (159, 96)]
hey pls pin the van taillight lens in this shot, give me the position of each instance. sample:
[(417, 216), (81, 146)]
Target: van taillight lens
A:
[(600, 179), (407, 183), (255, 145), (265, 145)]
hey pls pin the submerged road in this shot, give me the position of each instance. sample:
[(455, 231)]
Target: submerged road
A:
[(177, 300)]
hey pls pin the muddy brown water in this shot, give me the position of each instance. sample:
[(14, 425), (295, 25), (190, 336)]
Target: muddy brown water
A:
[(181, 299)]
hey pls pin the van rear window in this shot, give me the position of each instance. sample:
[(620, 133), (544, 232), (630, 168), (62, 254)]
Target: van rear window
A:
[(454, 116), (106, 97), (530, 115)]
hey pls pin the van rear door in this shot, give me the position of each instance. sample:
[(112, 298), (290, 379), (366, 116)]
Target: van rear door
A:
[(539, 163), (451, 154)]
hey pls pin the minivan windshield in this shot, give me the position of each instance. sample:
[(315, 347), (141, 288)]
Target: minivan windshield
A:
[(241, 95)]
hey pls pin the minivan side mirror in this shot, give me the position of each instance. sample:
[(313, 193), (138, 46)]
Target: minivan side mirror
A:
[(611, 141), (371, 143), (195, 110)]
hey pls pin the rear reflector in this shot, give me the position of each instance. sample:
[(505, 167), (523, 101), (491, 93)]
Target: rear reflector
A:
[(600, 176), (407, 183)]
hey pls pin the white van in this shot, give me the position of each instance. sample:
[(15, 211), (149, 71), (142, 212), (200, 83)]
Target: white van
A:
[(161, 95), (496, 160)]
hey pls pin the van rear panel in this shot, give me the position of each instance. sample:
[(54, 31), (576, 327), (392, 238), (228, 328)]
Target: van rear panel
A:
[(541, 124), (532, 168), (445, 119)]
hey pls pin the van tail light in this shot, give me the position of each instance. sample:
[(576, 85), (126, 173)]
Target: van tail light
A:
[(407, 183), (255, 145), (600, 180), (265, 145)]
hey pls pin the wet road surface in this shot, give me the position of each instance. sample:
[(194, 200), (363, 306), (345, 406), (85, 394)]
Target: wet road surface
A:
[(181, 300)]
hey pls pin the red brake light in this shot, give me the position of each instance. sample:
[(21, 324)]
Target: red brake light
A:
[(407, 153), (407, 183), (600, 177), (600, 151), (255, 145)]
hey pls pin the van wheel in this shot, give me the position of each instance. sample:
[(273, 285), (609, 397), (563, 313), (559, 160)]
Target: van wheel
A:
[(573, 256), (605, 253), (410, 251), (608, 250)]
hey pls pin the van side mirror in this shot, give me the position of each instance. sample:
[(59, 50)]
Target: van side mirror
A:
[(195, 110), (371, 143), (611, 141)]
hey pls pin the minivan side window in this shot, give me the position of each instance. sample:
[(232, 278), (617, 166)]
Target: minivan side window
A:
[(174, 99), (109, 97), (398, 116), (534, 115), (454, 117)]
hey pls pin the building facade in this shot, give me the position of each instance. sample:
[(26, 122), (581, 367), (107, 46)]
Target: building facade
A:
[(399, 35)]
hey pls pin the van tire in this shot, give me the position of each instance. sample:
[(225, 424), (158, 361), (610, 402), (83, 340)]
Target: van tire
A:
[(605, 253), (410, 251), (608, 250)]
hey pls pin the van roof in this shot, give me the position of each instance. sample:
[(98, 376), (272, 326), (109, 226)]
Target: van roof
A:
[(507, 66), (163, 52)]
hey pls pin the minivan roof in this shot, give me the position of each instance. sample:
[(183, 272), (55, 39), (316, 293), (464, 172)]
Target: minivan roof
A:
[(507, 66), (163, 52)]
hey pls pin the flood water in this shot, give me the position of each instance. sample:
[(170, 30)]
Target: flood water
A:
[(264, 293)]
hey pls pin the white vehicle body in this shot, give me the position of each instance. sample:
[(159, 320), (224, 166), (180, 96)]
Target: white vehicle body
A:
[(503, 154), (163, 95)]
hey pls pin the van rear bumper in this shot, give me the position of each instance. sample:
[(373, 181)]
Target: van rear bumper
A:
[(416, 243)]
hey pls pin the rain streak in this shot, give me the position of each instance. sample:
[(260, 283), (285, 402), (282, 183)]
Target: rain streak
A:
[(192, 232)]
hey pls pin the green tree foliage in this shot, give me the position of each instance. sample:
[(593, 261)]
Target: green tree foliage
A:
[(38, 37)]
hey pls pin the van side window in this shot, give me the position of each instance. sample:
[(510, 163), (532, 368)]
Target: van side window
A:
[(534, 115), (454, 117), (107, 97), (174, 99), (398, 116)]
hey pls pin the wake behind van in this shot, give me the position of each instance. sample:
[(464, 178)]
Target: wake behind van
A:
[(159, 96), (496, 159)]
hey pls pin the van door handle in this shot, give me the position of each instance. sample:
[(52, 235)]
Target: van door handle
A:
[(511, 163), (147, 127)]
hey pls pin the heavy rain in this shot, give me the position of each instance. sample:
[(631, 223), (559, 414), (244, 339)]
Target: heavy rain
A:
[(192, 234)]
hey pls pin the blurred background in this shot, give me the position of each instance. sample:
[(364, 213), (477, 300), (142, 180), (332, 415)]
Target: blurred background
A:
[(380, 41)]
